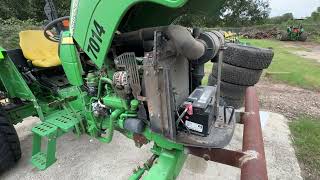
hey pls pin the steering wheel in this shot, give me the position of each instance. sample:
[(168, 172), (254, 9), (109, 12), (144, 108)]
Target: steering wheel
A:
[(52, 30)]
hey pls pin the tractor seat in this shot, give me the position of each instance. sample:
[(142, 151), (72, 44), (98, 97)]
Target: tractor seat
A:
[(38, 49)]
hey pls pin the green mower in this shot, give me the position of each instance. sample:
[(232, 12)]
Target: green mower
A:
[(119, 66), (294, 32)]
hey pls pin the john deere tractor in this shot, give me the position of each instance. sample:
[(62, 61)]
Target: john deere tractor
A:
[(294, 32), (122, 66)]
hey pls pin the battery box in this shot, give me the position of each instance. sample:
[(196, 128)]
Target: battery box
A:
[(200, 114)]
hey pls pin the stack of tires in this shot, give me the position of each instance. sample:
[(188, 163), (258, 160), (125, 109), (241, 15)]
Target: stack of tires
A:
[(242, 67)]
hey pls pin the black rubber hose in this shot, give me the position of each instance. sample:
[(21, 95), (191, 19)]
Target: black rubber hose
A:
[(184, 42), (197, 75)]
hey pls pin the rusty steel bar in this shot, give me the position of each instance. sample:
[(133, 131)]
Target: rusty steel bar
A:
[(252, 158), (223, 156), (253, 166)]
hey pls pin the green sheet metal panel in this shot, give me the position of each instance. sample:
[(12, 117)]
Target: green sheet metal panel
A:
[(13, 81), (93, 23)]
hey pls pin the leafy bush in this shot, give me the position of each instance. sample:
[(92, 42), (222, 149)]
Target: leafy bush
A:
[(10, 28)]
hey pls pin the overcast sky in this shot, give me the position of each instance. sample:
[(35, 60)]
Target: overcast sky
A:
[(299, 8)]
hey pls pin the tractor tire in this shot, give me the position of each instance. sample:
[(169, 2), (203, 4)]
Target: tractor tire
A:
[(303, 37), (237, 75), (227, 89), (283, 36), (247, 56), (10, 151), (235, 103)]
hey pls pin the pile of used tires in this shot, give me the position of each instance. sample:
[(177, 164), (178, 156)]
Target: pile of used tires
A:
[(242, 67)]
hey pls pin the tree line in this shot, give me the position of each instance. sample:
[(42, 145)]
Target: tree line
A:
[(288, 17), (30, 9)]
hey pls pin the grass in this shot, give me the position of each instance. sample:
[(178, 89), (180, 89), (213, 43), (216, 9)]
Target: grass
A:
[(207, 71), (306, 140), (9, 31), (303, 72)]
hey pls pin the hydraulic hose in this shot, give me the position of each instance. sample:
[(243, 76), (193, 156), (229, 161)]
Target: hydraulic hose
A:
[(113, 117)]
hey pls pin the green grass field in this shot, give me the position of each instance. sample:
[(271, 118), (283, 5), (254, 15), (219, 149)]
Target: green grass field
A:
[(306, 139), (302, 72)]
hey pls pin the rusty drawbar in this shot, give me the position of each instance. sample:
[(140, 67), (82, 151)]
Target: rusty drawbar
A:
[(251, 160)]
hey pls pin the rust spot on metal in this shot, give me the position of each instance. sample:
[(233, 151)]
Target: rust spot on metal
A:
[(206, 157), (139, 139), (248, 155)]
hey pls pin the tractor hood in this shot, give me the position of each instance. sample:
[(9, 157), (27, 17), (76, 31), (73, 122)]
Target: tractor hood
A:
[(150, 14), (94, 22)]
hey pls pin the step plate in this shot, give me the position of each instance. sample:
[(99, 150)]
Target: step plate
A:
[(64, 121), (39, 160), (44, 129)]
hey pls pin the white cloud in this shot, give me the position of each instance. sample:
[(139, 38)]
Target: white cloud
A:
[(299, 8)]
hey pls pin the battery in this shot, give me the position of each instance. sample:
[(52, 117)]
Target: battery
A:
[(202, 103)]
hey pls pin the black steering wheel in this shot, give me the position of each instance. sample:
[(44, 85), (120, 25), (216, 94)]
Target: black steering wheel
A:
[(53, 29)]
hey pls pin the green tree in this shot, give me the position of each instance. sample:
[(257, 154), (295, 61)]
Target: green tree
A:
[(14, 8), (280, 19), (31, 9), (244, 12), (315, 16)]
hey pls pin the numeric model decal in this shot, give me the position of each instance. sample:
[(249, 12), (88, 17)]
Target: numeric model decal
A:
[(95, 40)]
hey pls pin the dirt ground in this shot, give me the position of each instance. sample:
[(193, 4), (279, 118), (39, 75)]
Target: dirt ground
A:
[(312, 50), (86, 158), (288, 100)]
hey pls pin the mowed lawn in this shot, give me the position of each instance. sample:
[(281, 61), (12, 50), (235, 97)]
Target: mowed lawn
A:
[(305, 133), (288, 67)]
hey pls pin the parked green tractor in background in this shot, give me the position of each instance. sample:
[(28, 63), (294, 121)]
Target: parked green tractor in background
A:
[(121, 66), (294, 32)]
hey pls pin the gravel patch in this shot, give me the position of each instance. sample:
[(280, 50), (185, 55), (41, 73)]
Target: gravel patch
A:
[(288, 100)]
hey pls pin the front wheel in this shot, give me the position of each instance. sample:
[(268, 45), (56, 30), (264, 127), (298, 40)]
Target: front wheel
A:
[(10, 151)]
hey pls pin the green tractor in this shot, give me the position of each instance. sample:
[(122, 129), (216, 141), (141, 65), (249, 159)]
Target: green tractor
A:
[(120, 66), (293, 33)]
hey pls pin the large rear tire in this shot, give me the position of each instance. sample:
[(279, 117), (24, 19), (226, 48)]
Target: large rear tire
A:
[(282, 36), (10, 151), (303, 37)]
